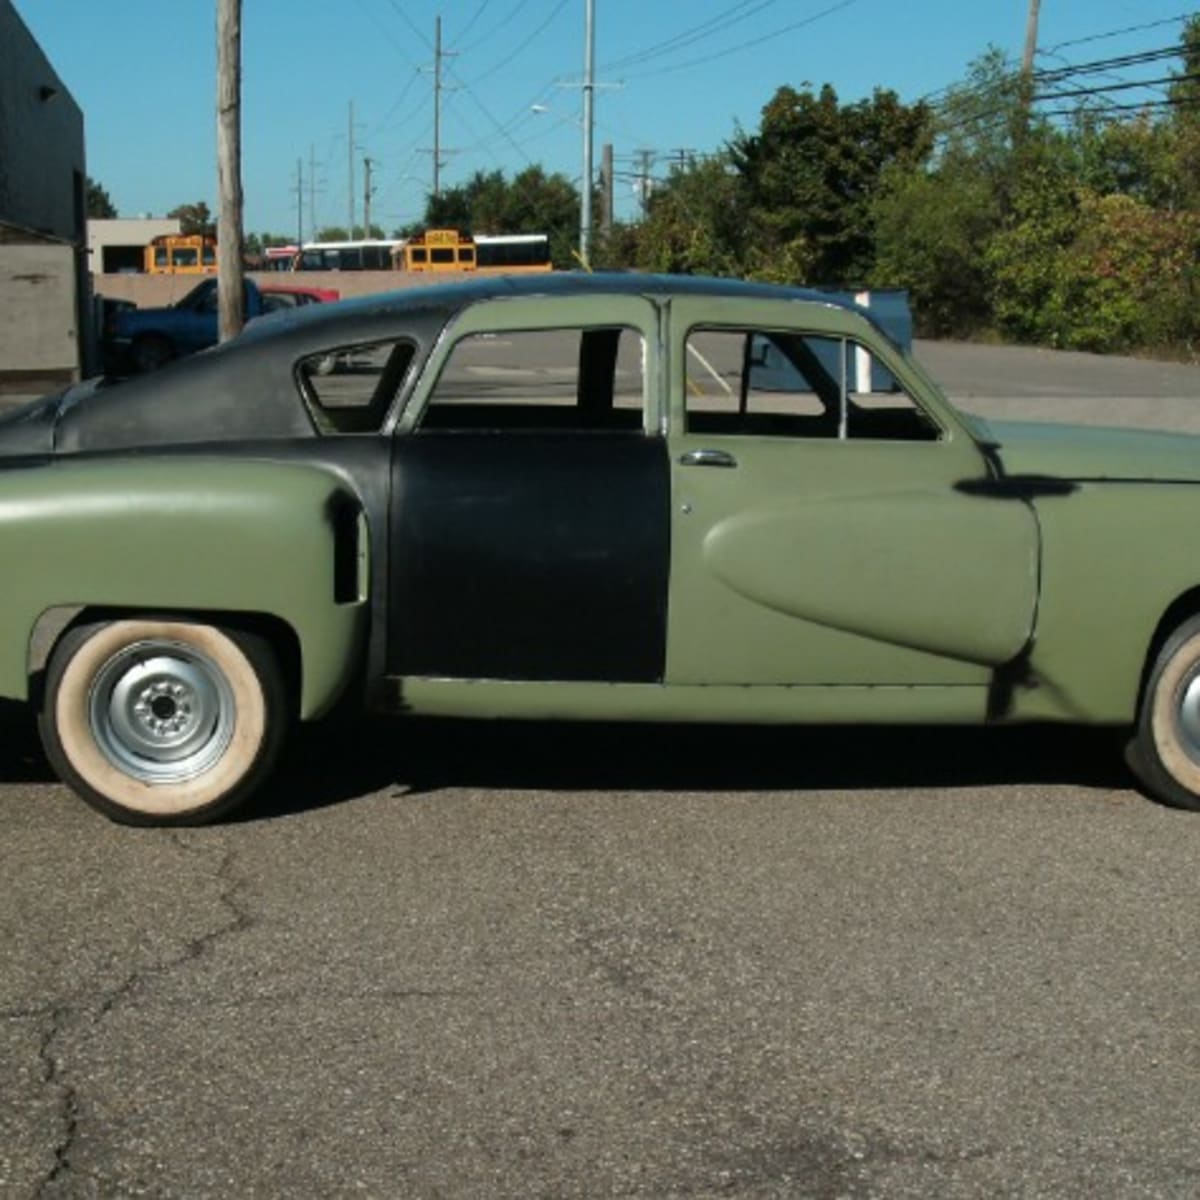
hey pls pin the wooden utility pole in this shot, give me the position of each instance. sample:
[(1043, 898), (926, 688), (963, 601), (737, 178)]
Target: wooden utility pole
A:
[(350, 162), (231, 306), (606, 191), (1031, 36), (1027, 63), (366, 197)]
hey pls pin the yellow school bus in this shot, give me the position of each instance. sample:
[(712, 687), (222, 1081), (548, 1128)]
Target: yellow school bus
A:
[(455, 250), (182, 254)]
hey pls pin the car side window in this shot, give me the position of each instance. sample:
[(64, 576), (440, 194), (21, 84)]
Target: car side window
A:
[(349, 389), (580, 380), (773, 383)]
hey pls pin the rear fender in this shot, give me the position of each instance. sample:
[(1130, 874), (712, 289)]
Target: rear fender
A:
[(193, 536)]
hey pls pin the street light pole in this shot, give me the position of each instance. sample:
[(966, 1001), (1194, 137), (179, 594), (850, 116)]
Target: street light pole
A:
[(589, 87)]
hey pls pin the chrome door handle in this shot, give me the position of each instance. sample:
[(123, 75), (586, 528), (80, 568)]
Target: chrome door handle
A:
[(708, 458)]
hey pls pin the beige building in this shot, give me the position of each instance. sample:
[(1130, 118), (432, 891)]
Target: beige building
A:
[(117, 245), (45, 302)]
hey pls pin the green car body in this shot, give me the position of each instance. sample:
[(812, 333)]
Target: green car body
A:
[(646, 544)]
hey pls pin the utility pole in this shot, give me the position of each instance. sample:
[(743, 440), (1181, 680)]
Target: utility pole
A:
[(437, 108), (645, 158), (1031, 36), (312, 195), (438, 88), (231, 307), (606, 188), (1027, 60), (299, 203), (366, 197), (589, 87), (350, 159)]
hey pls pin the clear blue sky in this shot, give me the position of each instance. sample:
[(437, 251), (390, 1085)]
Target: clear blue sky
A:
[(689, 72)]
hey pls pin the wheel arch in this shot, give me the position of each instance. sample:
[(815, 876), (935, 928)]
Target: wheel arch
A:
[(281, 547), (1179, 610), (55, 623)]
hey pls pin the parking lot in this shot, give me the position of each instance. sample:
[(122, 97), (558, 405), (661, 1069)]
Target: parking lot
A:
[(445, 959)]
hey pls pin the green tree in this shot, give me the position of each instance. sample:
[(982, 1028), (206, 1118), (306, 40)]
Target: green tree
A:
[(810, 175), (194, 218), (1136, 157), (532, 202), (934, 220), (932, 234), (98, 202), (337, 233), (694, 222), (1184, 94)]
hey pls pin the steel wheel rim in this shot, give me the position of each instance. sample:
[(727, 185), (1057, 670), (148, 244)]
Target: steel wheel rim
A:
[(1187, 714), (161, 712)]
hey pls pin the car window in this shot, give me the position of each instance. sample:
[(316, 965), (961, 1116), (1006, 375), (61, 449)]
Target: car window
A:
[(349, 389), (783, 383), (581, 380), (279, 301)]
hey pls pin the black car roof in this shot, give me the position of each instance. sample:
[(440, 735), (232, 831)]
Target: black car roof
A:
[(245, 390), (367, 311)]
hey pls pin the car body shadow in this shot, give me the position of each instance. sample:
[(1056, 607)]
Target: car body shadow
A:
[(341, 760), (21, 757), (338, 762)]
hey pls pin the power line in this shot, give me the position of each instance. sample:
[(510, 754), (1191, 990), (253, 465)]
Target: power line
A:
[(1115, 87), (713, 25), (503, 23), (1109, 64), (415, 29), (387, 33), (766, 37), (1141, 106), (1112, 33)]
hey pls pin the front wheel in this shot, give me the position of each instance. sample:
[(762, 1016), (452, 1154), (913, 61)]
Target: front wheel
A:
[(162, 722), (1165, 751)]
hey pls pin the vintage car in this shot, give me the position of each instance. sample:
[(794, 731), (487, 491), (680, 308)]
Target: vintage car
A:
[(586, 497)]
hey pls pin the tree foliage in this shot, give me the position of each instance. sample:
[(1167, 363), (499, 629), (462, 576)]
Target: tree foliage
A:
[(339, 233), (194, 218), (97, 201), (531, 202), (810, 173), (1078, 229)]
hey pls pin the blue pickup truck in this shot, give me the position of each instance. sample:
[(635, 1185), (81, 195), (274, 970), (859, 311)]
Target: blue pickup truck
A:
[(137, 340)]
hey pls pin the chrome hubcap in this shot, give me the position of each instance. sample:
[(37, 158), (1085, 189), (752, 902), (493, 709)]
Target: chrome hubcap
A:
[(161, 712), (1188, 715)]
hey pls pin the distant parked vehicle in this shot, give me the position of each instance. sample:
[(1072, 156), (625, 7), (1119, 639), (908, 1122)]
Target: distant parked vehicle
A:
[(181, 254), (137, 340)]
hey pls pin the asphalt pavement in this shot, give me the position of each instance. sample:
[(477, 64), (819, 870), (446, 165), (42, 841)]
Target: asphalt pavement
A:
[(445, 959)]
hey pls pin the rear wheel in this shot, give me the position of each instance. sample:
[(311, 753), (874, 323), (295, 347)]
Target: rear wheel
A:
[(1165, 751), (162, 722)]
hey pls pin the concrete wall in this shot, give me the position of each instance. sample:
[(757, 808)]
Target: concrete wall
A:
[(42, 168), (45, 306), (39, 331)]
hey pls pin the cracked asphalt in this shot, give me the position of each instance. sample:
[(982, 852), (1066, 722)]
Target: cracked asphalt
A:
[(447, 960)]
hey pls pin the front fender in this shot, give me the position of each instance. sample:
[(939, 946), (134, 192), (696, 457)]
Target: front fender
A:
[(187, 534)]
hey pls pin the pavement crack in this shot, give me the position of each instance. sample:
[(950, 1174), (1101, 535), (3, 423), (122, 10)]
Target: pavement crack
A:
[(67, 1108), (238, 920)]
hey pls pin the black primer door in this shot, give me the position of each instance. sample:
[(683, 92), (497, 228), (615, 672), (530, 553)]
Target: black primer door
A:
[(535, 556)]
